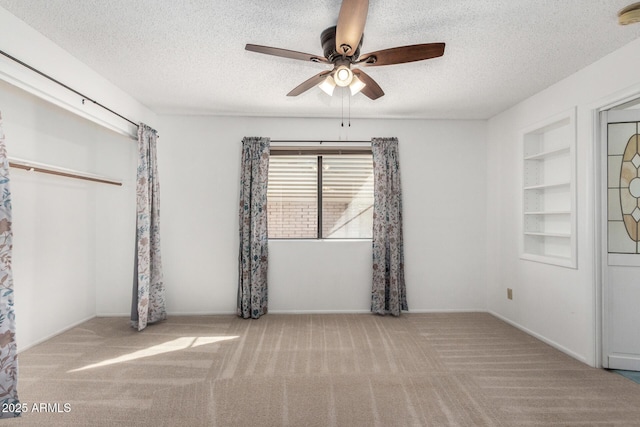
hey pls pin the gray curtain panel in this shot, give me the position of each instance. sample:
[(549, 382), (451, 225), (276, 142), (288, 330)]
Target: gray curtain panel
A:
[(252, 261), (388, 294), (148, 304), (8, 349)]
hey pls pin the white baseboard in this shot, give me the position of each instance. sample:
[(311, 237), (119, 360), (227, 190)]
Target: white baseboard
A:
[(356, 311), (113, 315), (172, 313), (201, 313), (48, 337), (452, 310), (544, 339), (418, 311), (318, 311), (624, 362)]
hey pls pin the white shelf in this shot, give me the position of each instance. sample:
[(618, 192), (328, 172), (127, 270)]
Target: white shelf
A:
[(550, 259), (550, 153), (544, 234), (548, 213), (548, 231), (545, 186)]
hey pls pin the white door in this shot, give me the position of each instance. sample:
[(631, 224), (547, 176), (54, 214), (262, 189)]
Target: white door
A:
[(621, 239)]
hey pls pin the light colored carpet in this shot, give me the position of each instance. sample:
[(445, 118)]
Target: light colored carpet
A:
[(466, 369)]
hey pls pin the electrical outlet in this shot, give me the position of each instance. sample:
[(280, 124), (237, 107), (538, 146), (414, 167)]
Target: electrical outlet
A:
[(509, 293)]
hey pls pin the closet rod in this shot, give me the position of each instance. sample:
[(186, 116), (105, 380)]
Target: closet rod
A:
[(39, 167), (84, 97)]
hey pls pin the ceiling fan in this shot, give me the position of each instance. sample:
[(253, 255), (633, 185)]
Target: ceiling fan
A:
[(341, 45)]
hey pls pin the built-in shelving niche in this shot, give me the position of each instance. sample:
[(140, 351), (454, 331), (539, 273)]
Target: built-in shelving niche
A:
[(548, 191)]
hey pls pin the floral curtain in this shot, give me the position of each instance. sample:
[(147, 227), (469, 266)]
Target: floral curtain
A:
[(148, 304), (389, 294), (252, 261), (8, 350)]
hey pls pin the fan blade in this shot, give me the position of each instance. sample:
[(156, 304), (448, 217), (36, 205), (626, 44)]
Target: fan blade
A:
[(292, 54), (400, 55), (371, 90), (308, 84), (353, 15)]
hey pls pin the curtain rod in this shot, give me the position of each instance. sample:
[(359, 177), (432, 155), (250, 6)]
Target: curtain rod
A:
[(321, 141), (84, 97), (52, 170)]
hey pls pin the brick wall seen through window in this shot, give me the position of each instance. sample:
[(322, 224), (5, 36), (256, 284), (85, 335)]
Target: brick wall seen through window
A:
[(346, 193)]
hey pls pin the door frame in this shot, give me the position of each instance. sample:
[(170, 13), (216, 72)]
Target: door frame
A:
[(600, 256)]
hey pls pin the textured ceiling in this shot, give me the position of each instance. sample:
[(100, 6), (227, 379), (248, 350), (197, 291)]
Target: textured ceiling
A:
[(188, 57)]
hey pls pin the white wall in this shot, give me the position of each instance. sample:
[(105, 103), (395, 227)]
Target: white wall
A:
[(556, 304), (115, 217), (443, 178)]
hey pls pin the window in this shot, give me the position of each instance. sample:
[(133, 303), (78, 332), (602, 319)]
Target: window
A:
[(322, 195)]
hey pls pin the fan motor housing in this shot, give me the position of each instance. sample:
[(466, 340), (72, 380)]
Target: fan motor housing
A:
[(328, 40)]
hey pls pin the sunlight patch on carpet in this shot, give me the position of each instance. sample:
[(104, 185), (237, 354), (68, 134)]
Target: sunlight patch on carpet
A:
[(178, 344)]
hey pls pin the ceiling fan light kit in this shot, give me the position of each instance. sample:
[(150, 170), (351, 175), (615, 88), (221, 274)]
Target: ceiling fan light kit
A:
[(629, 15), (328, 85), (343, 76), (341, 47), (356, 85)]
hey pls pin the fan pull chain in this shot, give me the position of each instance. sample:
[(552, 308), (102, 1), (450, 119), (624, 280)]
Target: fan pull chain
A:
[(349, 110), (349, 107), (342, 112)]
